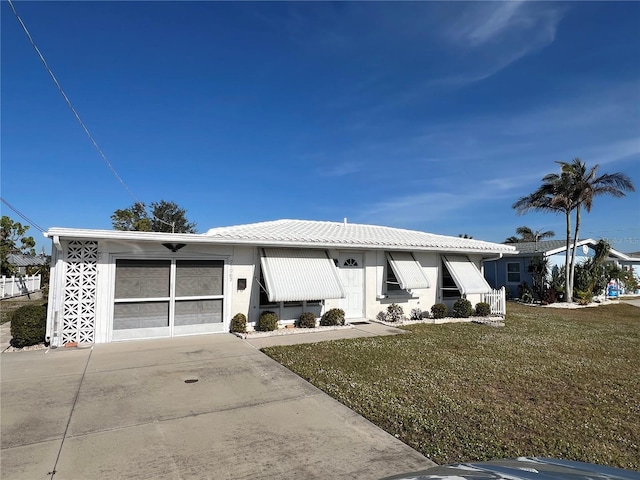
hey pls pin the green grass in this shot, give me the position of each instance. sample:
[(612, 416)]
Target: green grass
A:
[(553, 382)]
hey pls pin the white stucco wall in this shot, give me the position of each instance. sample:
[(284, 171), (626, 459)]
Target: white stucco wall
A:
[(241, 262)]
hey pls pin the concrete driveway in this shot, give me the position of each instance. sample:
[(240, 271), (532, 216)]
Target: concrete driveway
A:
[(126, 410)]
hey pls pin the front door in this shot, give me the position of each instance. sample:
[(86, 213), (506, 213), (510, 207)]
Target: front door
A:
[(352, 276)]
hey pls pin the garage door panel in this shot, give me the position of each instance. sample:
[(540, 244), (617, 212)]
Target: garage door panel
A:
[(128, 316)]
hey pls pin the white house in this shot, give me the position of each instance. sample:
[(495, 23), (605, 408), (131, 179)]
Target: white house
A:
[(109, 285)]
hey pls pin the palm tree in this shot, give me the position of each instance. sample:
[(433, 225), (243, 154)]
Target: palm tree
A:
[(552, 196), (528, 235), (586, 185), (575, 187)]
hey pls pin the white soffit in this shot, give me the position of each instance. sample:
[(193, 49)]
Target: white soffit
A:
[(467, 276), (408, 271), (294, 275)]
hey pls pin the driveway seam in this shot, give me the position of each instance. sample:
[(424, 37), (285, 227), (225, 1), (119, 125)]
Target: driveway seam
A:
[(73, 406), (200, 414), (93, 372)]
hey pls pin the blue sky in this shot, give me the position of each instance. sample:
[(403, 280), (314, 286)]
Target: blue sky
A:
[(433, 116)]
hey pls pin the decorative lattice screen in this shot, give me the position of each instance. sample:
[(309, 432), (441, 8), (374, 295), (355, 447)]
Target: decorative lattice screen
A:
[(78, 318)]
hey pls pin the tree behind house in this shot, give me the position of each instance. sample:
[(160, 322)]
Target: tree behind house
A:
[(528, 235), (165, 217)]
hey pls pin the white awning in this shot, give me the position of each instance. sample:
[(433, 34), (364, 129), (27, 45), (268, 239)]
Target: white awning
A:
[(408, 271), (467, 276), (295, 274)]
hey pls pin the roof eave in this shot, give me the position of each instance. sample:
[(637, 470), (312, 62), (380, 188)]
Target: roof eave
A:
[(192, 238)]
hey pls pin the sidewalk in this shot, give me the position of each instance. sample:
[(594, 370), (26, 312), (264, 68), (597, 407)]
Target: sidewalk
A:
[(5, 336)]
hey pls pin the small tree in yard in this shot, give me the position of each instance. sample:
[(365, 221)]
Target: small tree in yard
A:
[(13, 239)]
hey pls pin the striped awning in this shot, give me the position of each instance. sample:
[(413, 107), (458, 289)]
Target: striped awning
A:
[(407, 270), (298, 274), (466, 275)]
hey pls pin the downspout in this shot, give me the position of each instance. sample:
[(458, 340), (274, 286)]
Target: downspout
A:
[(54, 301), (495, 266)]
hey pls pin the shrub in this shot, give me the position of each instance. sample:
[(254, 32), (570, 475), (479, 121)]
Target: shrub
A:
[(239, 323), (381, 316), (307, 320), (550, 295), (335, 316), (416, 314), (462, 308), (439, 310), (28, 325), (267, 322), (425, 314), (395, 313), (483, 309)]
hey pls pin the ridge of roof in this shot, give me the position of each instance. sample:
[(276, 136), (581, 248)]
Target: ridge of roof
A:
[(329, 233)]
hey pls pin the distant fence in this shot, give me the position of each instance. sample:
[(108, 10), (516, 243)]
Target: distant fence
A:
[(497, 300), (16, 286)]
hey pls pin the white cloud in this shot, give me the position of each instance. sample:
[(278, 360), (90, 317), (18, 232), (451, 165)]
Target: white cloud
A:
[(492, 35), (488, 21), (491, 23)]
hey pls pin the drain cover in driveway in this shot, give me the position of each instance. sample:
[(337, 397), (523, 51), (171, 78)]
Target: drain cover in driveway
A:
[(359, 323), (191, 380)]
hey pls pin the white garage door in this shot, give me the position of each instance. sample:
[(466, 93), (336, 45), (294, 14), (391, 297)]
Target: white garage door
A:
[(165, 298)]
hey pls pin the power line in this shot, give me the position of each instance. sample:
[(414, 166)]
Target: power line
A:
[(86, 130), (22, 215)]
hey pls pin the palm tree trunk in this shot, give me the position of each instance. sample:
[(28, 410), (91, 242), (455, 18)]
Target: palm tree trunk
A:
[(575, 240), (567, 270)]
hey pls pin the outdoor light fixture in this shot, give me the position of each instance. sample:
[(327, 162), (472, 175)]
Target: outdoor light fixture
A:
[(174, 247)]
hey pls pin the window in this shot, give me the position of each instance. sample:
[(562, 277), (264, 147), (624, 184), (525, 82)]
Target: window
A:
[(264, 296), (350, 262), (513, 272), (449, 287), (392, 283)]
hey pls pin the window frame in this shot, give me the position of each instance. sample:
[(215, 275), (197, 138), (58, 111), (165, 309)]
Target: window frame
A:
[(518, 272), (390, 278), (451, 290)]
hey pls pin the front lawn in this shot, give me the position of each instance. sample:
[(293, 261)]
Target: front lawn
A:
[(553, 382)]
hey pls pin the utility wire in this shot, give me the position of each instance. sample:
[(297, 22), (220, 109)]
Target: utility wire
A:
[(22, 215), (46, 66)]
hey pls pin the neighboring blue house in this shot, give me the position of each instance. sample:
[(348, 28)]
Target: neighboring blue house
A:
[(511, 271)]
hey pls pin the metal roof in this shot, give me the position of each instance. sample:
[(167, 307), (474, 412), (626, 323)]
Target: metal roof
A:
[(19, 260), (350, 235), (301, 234)]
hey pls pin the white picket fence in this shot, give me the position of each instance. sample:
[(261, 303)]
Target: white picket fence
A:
[(16, 286), (497, 300)]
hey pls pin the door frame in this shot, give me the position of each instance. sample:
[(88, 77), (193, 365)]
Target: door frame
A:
[(359, 257)]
